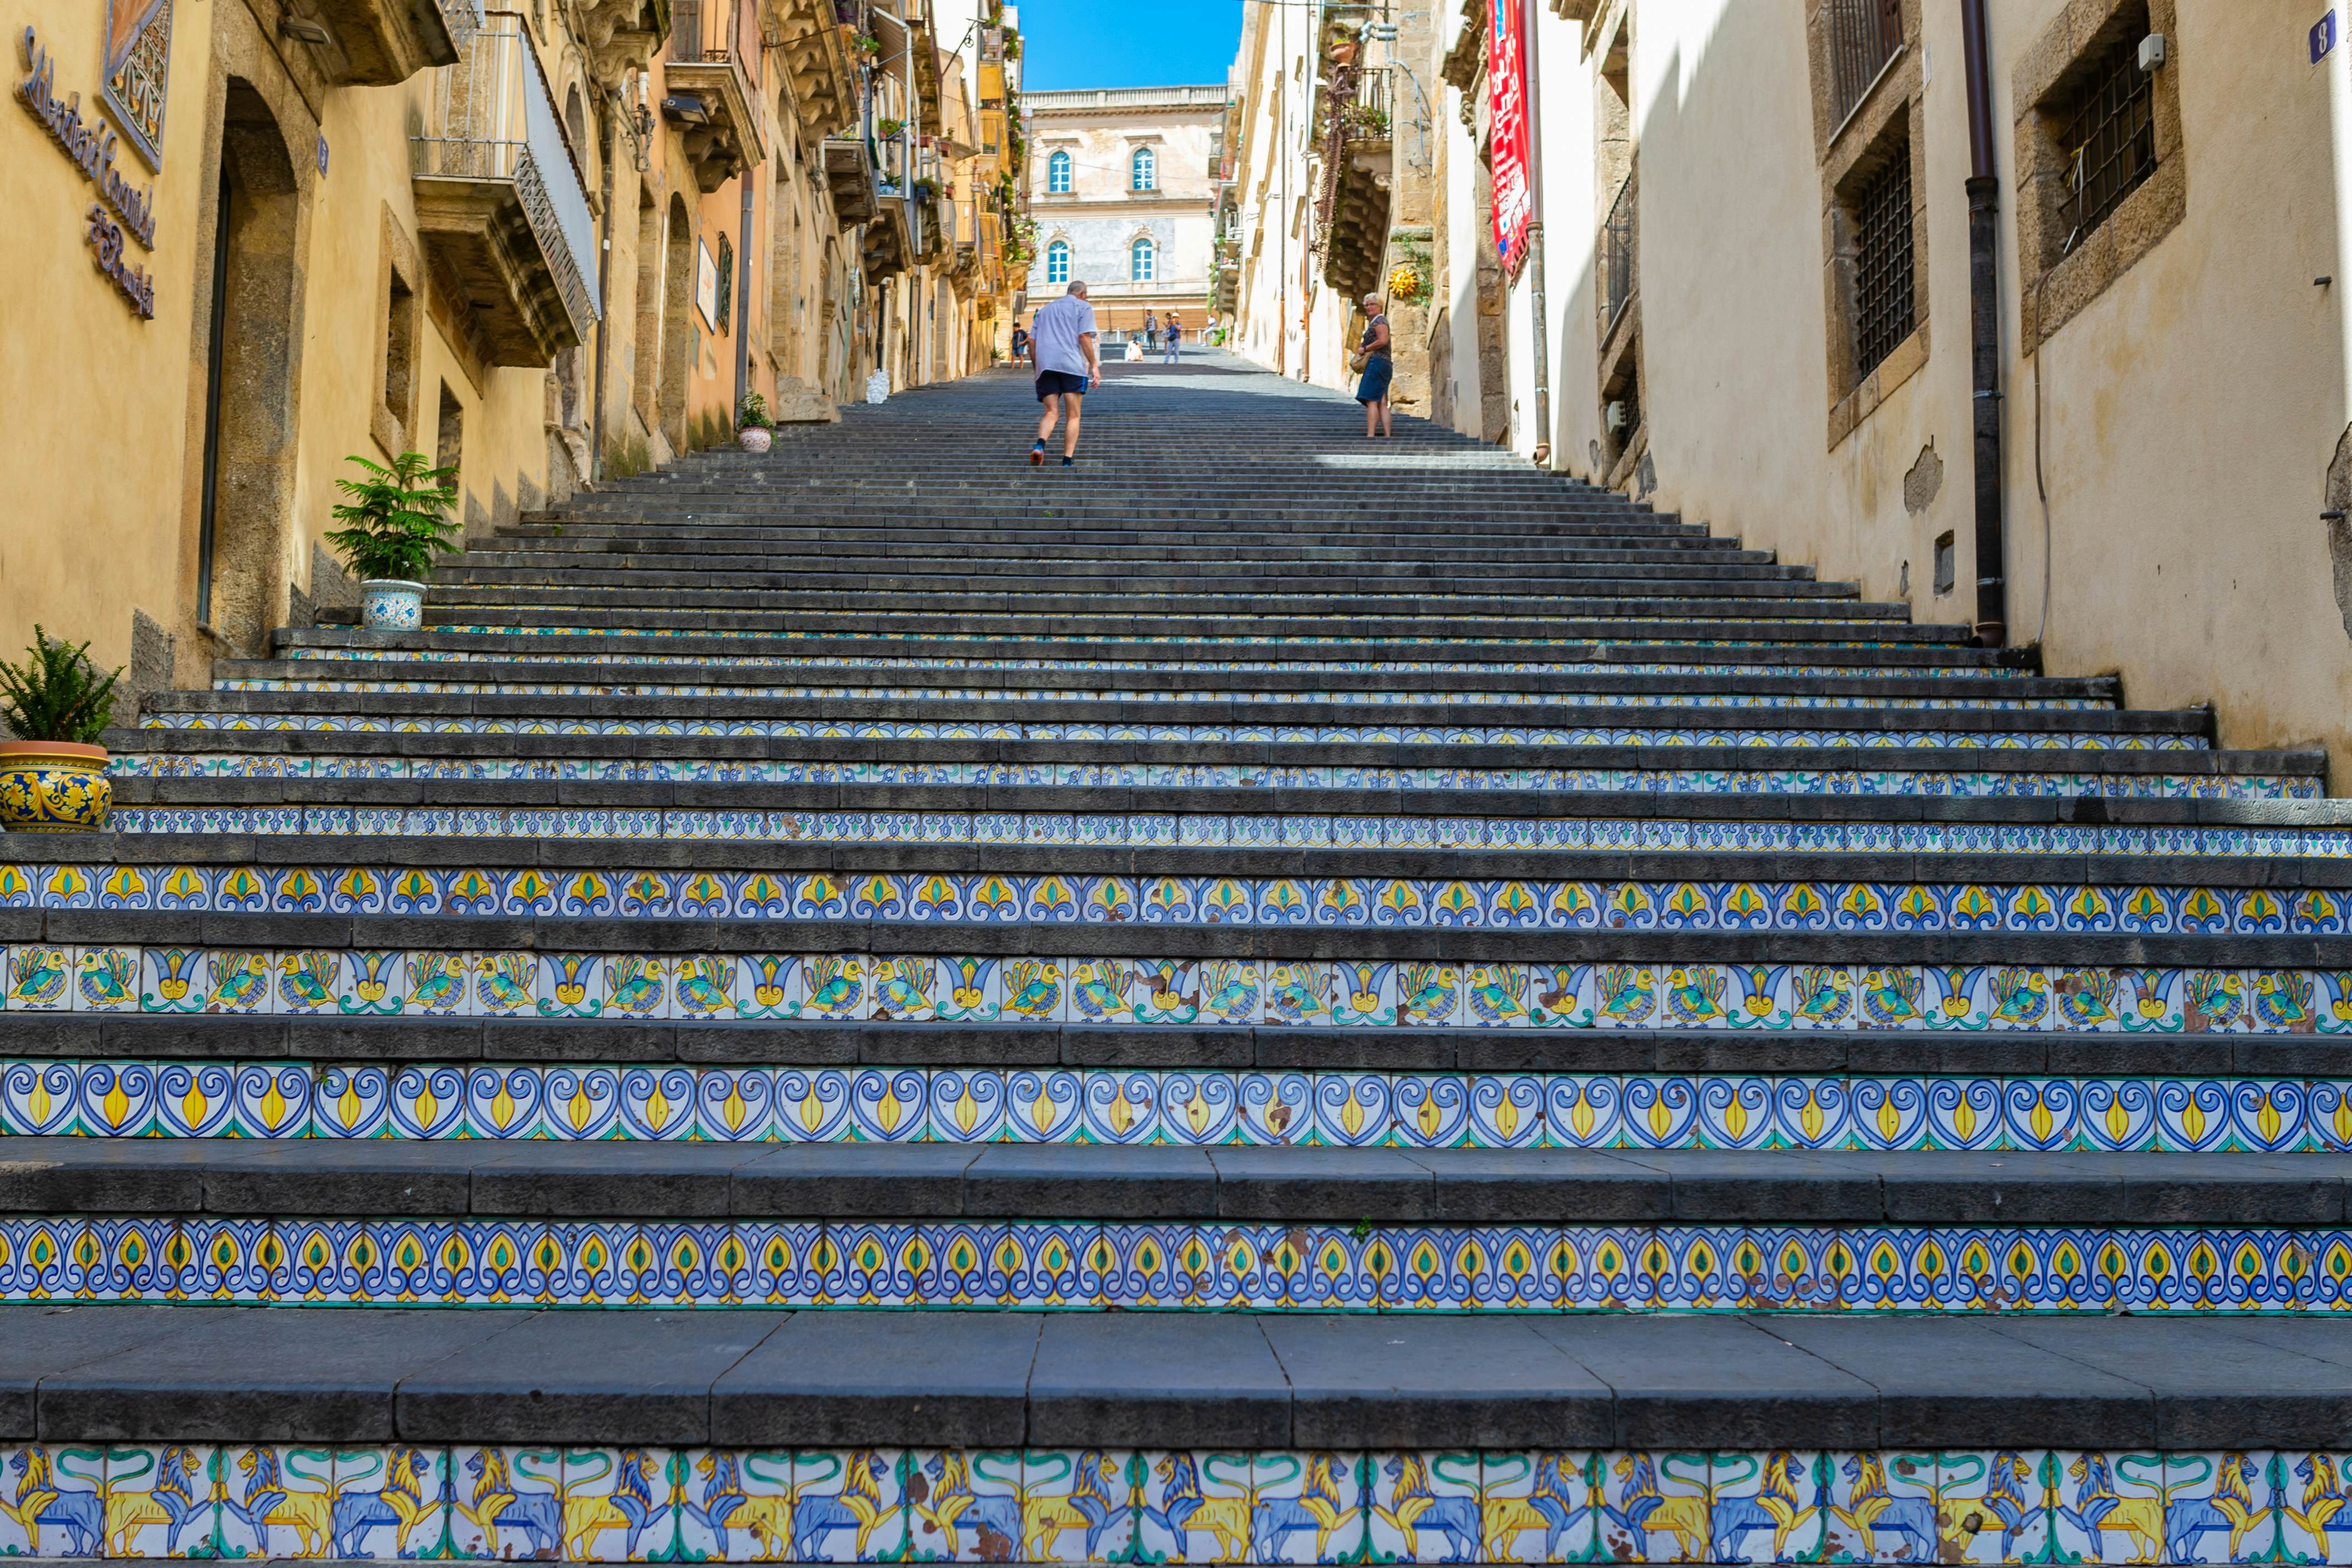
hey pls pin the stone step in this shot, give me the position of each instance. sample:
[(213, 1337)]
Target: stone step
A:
[(1318, 718), (617, 546), (521, 672), (835, 1388), (1949, 783), (1672, 1191), (945, 575), (1684, 629), (2003, 1077)]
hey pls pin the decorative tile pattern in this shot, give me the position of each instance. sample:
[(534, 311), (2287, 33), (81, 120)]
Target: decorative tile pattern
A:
[(1959, 1505), (1177, 1264), (644, 892), (1320, 735), (1138, 1105), (1310, 994), (1883, 779)]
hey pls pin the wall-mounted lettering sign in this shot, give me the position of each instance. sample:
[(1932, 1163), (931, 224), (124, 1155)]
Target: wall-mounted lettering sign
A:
[(139, 71), (122, 210)]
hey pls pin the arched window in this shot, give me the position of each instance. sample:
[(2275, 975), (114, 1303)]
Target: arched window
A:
[(1058, 174), (1147, 169), (1142, 259), (1057, 262)]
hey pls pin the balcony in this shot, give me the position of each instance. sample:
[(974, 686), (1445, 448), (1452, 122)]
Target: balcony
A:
[(849, 176), (707, 91), (1353, 226), (813, 51), (886, 246), (622, 36), (376, 43), (499, 202)]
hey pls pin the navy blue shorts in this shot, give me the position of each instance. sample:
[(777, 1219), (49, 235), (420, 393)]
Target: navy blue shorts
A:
[(1054, 380)]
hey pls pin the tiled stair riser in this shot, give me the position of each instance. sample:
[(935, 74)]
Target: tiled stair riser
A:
[(1177, 1264), (896, 661), (1953, 784), (1256, 1107), (1191, 992), (1081, 694), (1318, 734), (1389, 903), (1957, 1504)]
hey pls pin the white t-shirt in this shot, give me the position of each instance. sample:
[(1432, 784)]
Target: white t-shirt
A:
[(1053, 337)]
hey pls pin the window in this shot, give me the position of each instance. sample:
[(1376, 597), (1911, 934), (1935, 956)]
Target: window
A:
[(1863, 36), (1883, 305), (1058, 174), (1057, 262), (1147, 169), (1142, 257), (2109, 140)]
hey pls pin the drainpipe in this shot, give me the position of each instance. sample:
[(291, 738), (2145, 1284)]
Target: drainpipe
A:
[(1531, 12), (743, 294), (1984, 333), (604, 292)]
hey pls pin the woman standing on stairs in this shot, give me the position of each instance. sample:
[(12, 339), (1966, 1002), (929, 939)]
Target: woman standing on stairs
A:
[(1372, 360)]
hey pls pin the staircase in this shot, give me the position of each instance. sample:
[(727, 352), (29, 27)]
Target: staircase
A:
[(1385, 1007)]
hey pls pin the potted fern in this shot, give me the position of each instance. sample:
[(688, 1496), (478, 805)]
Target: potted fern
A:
[(395, 526), (53, 774), (752, 426)]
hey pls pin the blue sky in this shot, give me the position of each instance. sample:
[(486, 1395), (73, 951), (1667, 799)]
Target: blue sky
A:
[(1120, 42)]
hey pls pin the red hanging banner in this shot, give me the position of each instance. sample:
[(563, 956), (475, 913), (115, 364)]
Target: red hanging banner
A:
[(1506, 89)]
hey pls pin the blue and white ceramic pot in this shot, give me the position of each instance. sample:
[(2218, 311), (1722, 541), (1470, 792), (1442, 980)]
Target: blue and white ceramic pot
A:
[(389, 604), (752, 438), (53, 786)]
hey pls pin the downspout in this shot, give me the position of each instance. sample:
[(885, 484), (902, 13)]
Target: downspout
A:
[(1531, 11), (743, 295), (603, 291), (1984, 333)]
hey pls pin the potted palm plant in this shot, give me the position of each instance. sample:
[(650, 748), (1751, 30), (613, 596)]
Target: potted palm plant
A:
[(395, 525), (53, 774), (752, 426)]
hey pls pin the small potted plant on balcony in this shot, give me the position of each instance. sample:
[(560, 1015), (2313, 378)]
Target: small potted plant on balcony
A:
[(395, 525), (887, 130), (53, 774), (752, 427)]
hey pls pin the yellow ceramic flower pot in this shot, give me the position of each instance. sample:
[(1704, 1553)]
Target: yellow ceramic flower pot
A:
[(53, 786)]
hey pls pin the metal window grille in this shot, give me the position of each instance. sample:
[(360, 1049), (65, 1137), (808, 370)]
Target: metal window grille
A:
[(1883, 305), (702, 30), (2110, 139), (1863, 36), (1617, 254)]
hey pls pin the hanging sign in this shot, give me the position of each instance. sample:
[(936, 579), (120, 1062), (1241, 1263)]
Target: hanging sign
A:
[(1507, 92), (124, 210)]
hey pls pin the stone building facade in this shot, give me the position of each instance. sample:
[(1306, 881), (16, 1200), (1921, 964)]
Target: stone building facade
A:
[(544, 241), (1122, 187), (2072, 375)]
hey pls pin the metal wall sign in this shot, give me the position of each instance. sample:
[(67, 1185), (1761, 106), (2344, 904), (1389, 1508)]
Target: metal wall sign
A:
[(1507, 92), (139, 71), (124, 211)]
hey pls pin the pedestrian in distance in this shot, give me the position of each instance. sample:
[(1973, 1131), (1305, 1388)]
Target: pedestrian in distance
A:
[(1150, 332), (1020, 342), (1175, 330), (1061, 345), (1373, 361)]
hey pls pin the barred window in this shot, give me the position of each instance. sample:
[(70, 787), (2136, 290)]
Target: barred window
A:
[(2110, 139), (1883, 304)]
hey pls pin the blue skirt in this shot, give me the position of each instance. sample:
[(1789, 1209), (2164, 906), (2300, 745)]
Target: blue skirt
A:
[(1375, 385)]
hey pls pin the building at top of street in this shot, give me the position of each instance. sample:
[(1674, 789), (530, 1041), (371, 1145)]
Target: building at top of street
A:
[(2030, 313), (546, 242), (1122, 183)]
